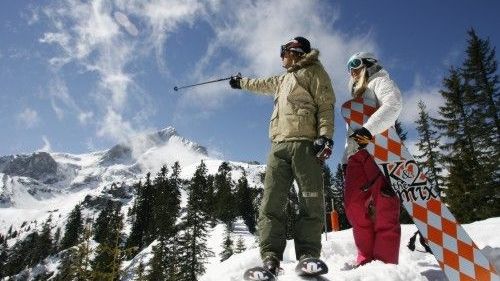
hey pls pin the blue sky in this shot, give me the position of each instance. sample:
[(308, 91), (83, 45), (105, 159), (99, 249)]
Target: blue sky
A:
[(79, 76)]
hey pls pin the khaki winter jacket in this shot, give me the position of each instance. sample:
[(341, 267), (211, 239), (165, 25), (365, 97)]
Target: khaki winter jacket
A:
[(303, 100)]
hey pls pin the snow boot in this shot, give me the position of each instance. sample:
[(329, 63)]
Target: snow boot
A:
[(271, 264), (309, 266), (258, 273), (268, 271)]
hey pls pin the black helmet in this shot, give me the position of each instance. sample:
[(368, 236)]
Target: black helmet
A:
[(298, 44)]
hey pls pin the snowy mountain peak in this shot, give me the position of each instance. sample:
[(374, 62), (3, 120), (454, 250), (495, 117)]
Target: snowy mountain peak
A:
[(40, 166), (167, 133)]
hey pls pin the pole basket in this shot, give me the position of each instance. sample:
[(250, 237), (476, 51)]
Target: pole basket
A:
[(334, 219)]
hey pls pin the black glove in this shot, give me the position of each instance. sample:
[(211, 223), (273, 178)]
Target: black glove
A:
[(234, 82), (322, 147), (362, 137)]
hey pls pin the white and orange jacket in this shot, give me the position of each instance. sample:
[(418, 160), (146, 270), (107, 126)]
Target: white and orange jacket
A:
[(388, 96)]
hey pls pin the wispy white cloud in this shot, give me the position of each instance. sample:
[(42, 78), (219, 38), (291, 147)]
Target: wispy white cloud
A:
[(31, 14), (115, 127), (252, 32), (29, 117), (46, 145), (428, 93), (105, 37), (61, 101)]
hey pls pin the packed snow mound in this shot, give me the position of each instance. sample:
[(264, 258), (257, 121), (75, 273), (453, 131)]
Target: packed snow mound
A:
[(339, 250)]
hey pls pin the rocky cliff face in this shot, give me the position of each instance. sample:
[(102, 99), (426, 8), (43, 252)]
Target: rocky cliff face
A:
[(39, 166)]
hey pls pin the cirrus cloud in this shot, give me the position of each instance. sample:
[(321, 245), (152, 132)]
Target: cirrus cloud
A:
[(28, 117)]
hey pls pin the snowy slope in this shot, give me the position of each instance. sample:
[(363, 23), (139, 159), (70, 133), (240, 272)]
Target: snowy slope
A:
[(338, 249), (30, 194)]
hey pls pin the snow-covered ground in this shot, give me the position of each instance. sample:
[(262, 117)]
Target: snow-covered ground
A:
[(338, 249), (90, 174)]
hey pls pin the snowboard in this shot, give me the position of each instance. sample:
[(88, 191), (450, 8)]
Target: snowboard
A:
[(457, 255)]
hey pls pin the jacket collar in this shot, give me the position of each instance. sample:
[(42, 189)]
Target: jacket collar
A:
[(381, 73), (307, 60)]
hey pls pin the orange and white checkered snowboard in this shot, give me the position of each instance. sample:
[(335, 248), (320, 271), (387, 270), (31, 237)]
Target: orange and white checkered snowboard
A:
[(456, 253)]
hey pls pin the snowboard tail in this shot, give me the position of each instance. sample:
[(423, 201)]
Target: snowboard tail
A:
[(457, 255)]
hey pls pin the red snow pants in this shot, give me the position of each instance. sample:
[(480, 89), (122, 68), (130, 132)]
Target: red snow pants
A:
[(372, 209)]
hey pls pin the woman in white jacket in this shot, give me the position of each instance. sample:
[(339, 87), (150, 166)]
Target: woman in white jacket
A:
[(371, 205)]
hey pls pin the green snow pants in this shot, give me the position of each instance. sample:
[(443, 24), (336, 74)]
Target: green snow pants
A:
[(288, 161)]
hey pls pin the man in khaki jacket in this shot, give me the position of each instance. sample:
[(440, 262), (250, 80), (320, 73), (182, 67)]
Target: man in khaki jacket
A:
[(301, 130)]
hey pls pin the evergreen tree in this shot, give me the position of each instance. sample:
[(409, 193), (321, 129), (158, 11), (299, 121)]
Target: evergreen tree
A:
[(480, 74), (428, 145), (460, 151), (162, 221), (142, 233), (3, 256), (402, 133), (245, 199), (157, 263), (66, 271), (75, 261), (480, 71), (337, 194), (147, 211), (108, 258), (327, 195), (174, 196), (211, 201), (240, 245), (102, 224), (166, 202), (172, 258), (73, 228), (45, 244), (225, 209), (192, 242), (9, 232), (22, 254), (227, 245), (134, 240), (56, 240), (82, 262), (139, 273), (166, 210)]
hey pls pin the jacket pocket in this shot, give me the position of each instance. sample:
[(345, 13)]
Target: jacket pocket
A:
[(307, 122), (362, 172)]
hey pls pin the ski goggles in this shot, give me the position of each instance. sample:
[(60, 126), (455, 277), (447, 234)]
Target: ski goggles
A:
[(291, 46), (354, 63), (283, 49)]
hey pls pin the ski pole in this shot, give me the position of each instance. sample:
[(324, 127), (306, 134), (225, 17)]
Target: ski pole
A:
[(207, 82), (324, 203)]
